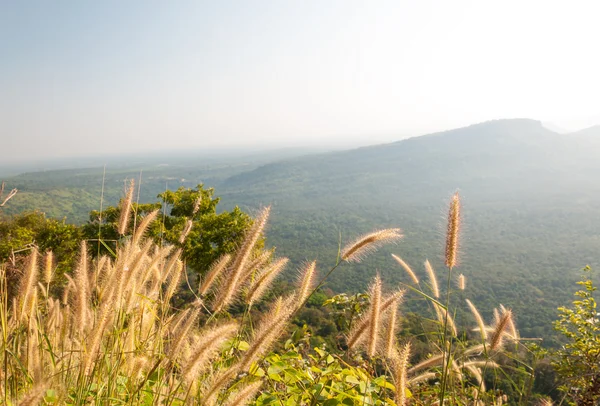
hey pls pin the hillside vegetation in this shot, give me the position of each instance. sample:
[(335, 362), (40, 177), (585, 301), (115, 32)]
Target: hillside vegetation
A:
[(113, 335), (532, 197)]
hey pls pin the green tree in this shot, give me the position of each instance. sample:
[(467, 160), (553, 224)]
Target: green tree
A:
[(30, 230), (212, 234), (578, 361)]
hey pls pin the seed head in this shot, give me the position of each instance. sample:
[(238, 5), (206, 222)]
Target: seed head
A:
[(368, 243), (453, 232)]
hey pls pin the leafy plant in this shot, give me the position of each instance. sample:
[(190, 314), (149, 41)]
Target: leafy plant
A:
[(578, 361), (211, 234)]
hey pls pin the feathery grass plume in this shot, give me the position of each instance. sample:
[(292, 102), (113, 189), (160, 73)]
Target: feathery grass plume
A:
[(128, 346), (406, 267), (168, 267), (456, 370), (152, 268), (53, 315), (141, 229), (175, 322), (513, 332), (49, 267), (105, 317), (476, 373), (441, 316), (434, 360), (213, 273), (256, 264), (242, 396), (306, 282), (103, 271), (134, 283), (496, 338), (453, 232), (232, 285), (32, 310), (28, 284), (496, 316), (137, 366), (356, 335), (140, 259), (132, 258), (545, 402), (66, 296), (186, 230), (218, 381), (390, 331), (34, 362), (126, 208), (435, 290), (478, 319), (81, 302), (269, 329), (183, 331), (374, 316), (43, 289), (476, 349), (364, 245), (400, 363), (35, 395), (264, 279), (174, 281), (147, 322), (421, 378), (481, 364), (461, 282), (204, 349)]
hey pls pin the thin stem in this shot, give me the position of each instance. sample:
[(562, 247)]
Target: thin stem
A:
[(448, 347)]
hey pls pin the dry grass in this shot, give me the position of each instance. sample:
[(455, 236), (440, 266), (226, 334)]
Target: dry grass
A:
[(112, 333)]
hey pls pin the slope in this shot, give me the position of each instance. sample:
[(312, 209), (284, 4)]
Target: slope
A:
[(531, 218)]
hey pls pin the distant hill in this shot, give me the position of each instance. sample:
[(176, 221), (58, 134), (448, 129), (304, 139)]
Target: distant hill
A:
[(511, 152), (531, 199), (592, 132)]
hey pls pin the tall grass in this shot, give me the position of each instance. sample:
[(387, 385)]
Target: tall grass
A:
[(112, 335)]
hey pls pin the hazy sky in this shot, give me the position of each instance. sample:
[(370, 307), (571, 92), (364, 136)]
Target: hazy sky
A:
[(86, 77)]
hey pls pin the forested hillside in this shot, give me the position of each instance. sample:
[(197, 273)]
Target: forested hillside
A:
[(531, 208), (530, 197)]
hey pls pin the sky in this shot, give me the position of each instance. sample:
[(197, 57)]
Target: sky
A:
[(100, 77)]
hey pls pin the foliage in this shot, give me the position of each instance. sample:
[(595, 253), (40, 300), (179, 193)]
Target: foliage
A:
[(316, 377), (212, 235), (33, 230), (578, 361)]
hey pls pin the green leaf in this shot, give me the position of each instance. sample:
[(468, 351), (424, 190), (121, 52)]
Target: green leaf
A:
[(351, 379)]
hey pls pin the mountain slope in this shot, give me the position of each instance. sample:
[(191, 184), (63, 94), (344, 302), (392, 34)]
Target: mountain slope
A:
[(530, 195)]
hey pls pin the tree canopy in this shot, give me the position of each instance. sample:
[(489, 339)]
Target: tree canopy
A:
[(212, 233)]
